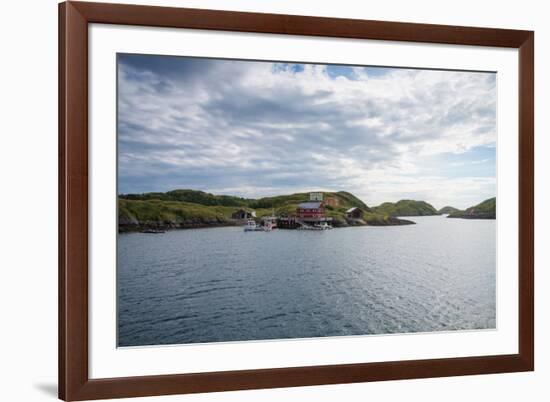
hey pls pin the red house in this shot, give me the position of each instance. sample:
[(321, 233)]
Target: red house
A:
[(310, 210)]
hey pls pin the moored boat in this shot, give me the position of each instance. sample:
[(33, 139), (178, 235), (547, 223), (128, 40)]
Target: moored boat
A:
[(252, 226), (320, 226), (324, 226)]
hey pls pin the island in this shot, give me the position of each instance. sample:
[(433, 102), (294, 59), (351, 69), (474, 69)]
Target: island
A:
[(186, 208), (406, 208), (483, 210), (447, 210)]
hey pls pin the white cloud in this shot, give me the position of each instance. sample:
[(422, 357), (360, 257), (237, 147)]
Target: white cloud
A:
[(252, 128)]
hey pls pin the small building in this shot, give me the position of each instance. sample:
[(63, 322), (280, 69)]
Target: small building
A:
[(243, 214), (354, 213), (316, 196), (310, 210)]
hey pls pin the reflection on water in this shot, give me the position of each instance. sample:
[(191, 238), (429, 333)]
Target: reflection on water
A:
[(222, 284)]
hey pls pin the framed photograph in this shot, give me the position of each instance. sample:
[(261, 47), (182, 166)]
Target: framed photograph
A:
[(259, 200)]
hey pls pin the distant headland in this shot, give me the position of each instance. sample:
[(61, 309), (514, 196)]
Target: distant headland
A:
[(483, 210)]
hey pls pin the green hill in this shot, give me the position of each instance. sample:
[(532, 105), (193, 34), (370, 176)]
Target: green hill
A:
[(190, 208), (448, 210), (194, 196), (483, 210), (288, 203), (406, 208), (343, 198)]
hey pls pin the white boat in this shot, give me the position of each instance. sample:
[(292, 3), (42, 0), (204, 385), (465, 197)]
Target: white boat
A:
[(270, 222), (321, 226), (251, 226), (306, 227), (324, 226)]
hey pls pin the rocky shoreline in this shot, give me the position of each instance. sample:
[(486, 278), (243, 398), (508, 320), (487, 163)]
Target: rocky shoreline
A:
[(389, 221), (462, 215), (133, 225)]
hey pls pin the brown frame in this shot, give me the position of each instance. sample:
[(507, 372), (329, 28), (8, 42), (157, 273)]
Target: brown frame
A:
[(74, 383)]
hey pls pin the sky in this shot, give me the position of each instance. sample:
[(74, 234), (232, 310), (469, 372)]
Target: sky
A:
[(255, 129)]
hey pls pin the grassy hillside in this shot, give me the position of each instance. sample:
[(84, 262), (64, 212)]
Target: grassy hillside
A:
[(344, 199), (193, 196), (159, 213), (189, 208), (406, 208), (448, 210), (483, 210)]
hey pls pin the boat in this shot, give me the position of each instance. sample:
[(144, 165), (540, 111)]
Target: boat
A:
[(324, 226), (308, 227), (251, 226), (321, 226), (270, 221)]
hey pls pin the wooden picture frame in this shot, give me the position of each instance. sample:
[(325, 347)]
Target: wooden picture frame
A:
[(74, 381)]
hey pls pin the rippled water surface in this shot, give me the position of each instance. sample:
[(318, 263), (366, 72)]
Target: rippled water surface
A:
[(222, 284)]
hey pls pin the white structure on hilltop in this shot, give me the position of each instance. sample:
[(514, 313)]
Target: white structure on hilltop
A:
[(316, 196)]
